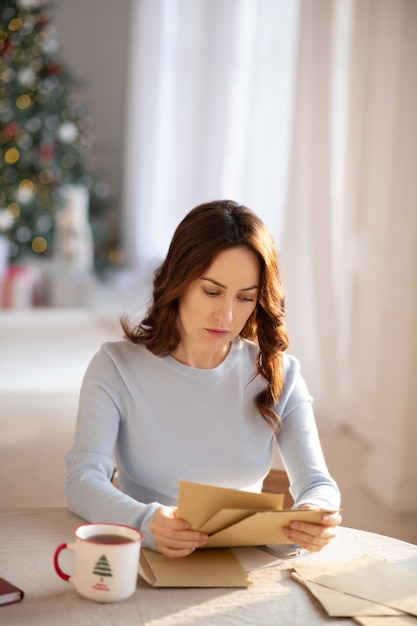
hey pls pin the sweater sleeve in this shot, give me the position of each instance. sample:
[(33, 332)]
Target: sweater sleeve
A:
[(89, 490), (299, 445)]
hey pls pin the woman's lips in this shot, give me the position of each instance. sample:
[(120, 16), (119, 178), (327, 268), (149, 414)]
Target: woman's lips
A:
[(217, 332)]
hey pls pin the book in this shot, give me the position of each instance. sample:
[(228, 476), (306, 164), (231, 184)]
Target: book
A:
[(9, 593)]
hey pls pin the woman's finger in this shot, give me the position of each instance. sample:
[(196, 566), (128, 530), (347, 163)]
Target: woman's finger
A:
[(331, 519), (313, 537), (172, 535)]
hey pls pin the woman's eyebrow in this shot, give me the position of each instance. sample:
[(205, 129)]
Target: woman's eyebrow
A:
[(215, 282)]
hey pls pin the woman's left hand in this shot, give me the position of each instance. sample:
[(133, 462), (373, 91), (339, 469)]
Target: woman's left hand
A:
[(310, 536)]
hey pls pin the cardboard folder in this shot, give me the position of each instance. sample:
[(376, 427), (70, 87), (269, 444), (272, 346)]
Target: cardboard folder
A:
[(234, 518), (208, 568)]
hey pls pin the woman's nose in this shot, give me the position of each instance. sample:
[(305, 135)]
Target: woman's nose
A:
[(224, 313)]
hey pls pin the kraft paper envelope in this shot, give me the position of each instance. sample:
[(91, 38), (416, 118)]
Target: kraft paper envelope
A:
[(400, 620), (237, 518), (376, 580), (367, 586), (208, 568), (198, 503), (336, 603)]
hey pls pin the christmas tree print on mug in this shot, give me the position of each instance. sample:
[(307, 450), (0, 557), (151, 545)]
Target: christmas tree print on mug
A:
[(102, 569), (106, 561)]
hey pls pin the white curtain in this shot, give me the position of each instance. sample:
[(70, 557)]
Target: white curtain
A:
[(349, 258), (209, 113), (307, 257), (380, 210)]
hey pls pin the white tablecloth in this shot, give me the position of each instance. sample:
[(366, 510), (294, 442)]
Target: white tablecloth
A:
[(28, 538)]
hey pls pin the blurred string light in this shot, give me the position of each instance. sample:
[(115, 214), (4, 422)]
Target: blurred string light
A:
[(46, 134)]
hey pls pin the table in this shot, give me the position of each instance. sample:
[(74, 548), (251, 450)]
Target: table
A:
[(28, 538)]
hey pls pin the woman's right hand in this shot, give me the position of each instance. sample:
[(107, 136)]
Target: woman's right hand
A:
[(172, 535)]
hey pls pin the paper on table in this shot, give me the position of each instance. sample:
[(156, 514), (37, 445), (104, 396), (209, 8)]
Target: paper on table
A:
[(253, 558), (208, 568), (337, 603), (376, 580), (401, 620)]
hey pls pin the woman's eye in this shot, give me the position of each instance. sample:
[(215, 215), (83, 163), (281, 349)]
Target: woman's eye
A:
[(211, 293), (246, 298)]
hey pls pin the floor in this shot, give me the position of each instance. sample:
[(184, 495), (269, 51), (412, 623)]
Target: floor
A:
[(38, 411)]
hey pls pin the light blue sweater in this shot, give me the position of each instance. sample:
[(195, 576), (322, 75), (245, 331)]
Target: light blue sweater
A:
[(164, 421)]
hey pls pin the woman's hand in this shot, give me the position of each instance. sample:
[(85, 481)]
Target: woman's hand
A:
[(310, 536), (172, 535)]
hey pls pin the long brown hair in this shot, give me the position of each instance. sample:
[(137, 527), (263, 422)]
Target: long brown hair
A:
[(205, 231)]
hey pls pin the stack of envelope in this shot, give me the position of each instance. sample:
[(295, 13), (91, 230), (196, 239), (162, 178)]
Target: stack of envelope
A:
[(232, 518), (237, 518), (371, 590)]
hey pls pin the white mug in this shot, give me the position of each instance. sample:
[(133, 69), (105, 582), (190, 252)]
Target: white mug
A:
[(106, 561)]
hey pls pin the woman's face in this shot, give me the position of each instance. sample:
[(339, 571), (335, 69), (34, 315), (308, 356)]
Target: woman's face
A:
[(215, 307)]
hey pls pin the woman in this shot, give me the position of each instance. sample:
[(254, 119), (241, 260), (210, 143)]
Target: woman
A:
[(198, 390)]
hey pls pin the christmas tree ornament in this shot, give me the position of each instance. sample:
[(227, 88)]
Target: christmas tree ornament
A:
[(6, 221), (73, 258), (73, 245)]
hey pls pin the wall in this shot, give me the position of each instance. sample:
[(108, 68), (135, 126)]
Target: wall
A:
[(94, 40)]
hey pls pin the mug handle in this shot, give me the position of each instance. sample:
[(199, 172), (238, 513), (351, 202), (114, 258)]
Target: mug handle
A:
[(58, 569)]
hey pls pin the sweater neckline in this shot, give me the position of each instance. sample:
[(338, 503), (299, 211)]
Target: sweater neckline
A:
[(212, 372)]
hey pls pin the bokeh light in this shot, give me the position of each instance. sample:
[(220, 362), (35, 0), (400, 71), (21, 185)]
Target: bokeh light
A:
[(46, 133), (39, 244)]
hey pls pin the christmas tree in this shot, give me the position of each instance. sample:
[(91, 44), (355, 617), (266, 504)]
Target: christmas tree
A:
[(102, 568), (46, 135)]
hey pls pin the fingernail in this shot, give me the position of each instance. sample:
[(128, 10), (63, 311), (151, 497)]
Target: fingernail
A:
[(326, 518)]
